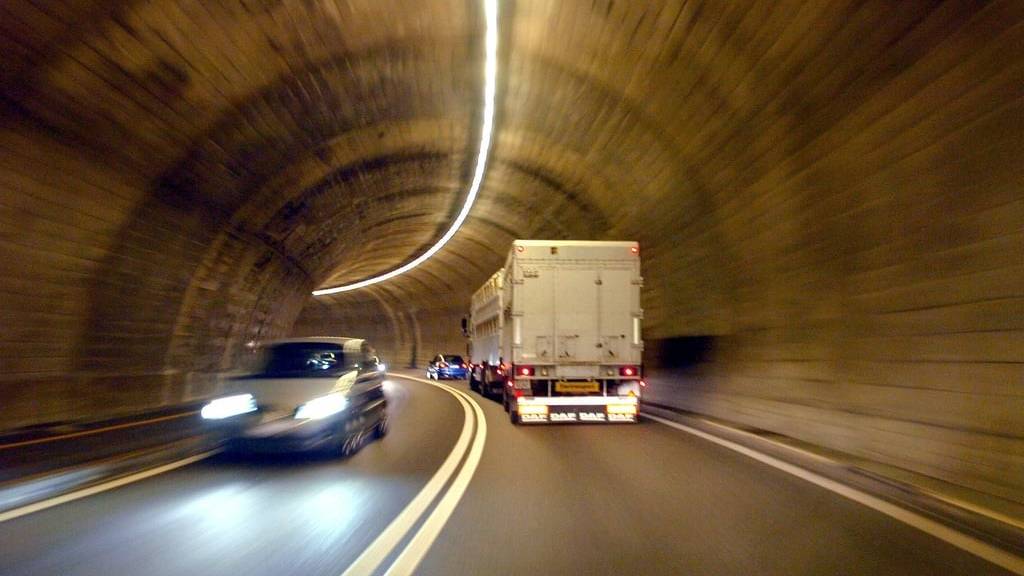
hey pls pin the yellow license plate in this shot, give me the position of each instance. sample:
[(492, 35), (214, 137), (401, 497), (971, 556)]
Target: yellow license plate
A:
[(577, 387)]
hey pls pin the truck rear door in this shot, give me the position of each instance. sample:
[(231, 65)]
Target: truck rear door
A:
[(576, 316), (616, 315), (533, 307)]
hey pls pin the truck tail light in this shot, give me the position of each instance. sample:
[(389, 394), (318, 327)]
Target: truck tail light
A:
[(524, 371), (628, 371), (634, 249)]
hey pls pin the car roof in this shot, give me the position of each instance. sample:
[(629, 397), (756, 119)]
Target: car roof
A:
[(347, 344)]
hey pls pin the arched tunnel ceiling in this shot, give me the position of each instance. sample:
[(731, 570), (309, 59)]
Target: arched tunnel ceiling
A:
[(827, 191), (341, 133)]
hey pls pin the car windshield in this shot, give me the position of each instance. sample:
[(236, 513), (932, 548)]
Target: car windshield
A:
[(453, 359), (302, 359)]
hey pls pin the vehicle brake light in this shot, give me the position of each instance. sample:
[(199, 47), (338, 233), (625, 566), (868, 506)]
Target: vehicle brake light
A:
[(520, 248), (525, 370), (464, 366), (643, 384), (628, 371), (634, 249)]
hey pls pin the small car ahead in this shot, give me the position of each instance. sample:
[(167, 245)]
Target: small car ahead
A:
[(448, 367), (324, 394)]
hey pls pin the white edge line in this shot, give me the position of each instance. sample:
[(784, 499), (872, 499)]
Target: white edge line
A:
[(967, 543), (371, 558), (980, 510), (420, 544), (92, 490)]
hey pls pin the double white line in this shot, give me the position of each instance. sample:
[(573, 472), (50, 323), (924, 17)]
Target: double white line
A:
[(471, 439)]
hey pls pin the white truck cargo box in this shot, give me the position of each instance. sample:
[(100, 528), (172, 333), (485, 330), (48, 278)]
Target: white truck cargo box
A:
[(561, 320)]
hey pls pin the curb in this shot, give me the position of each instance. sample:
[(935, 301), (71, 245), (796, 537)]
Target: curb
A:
[(53, 429), (24, 492)]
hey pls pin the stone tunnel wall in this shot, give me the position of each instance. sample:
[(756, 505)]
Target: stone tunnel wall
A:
[(113, 301), (829, 199), (845, 265)]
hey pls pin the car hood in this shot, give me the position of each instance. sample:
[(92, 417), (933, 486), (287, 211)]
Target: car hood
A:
[(291, 392)]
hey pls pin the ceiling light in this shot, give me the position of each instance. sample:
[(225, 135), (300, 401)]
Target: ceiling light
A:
[(490, 87)]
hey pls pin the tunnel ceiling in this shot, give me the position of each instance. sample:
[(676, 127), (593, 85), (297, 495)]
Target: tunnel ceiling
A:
[(827, 196), (342, 134)]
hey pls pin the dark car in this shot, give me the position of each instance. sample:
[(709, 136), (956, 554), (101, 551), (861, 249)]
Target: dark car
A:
[(448, 367), (304, 394)]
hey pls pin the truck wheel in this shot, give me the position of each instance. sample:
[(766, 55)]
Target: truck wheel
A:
[(474, 384), (513, 416), (504, 401)]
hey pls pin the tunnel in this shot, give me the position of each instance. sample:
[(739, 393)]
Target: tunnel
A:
[(827, 197)]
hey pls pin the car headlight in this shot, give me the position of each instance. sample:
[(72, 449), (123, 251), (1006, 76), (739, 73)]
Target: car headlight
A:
[(229, 406), (322, 407)]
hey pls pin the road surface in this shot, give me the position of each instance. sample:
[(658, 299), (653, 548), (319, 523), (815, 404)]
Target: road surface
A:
[(640, 499)]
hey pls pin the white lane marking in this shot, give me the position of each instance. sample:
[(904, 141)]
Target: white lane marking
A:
[(371, 558), (420, 544), (967, 543), (807, 454), (92, 490)]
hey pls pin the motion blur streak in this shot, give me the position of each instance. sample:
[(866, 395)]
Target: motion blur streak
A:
[(490, 87)]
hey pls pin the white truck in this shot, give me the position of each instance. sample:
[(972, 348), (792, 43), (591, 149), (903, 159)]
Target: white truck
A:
[(556, 332)]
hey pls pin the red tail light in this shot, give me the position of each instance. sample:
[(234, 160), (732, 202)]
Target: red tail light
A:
[(635, 249), (464, 366), (628, 371), (524, 371), (643, 384)]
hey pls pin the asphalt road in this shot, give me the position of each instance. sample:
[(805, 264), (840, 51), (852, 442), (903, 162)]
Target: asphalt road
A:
[(640, 499)]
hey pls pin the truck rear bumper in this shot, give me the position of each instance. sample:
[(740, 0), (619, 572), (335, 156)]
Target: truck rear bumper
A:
[(578, 409)]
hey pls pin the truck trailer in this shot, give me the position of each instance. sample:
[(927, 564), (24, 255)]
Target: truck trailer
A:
[(556, 333)]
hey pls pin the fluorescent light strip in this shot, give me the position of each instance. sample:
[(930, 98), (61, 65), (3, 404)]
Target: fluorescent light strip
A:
[(490, 87)]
